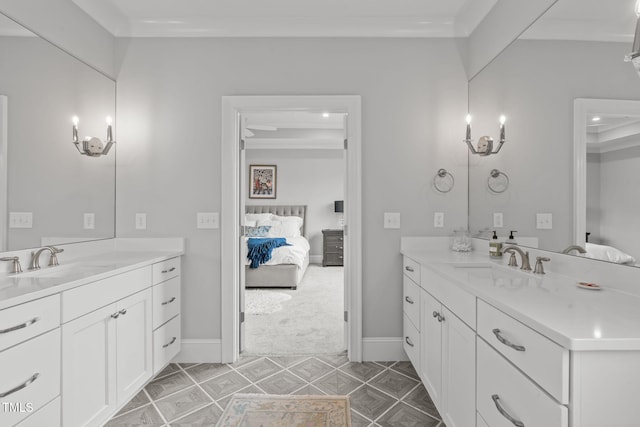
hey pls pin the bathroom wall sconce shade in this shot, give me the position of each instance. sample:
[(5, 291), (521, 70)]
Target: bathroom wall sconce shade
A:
[(92, 146), (485, 143), (443, 181), (338, 206), (634, 56)]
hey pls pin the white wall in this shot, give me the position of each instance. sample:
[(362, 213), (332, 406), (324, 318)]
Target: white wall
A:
[(593, 197), (414, 96), (534, 84), (315, 178), (67, 26)]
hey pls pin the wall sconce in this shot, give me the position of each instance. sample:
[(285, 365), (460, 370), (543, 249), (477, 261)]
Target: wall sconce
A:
[(485, 143), (338, 207), (91, 145)]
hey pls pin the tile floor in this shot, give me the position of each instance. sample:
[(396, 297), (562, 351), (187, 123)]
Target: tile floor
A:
[(385, 394)]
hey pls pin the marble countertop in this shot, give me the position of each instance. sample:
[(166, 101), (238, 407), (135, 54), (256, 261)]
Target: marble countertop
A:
[(577, 319), (22, 287)]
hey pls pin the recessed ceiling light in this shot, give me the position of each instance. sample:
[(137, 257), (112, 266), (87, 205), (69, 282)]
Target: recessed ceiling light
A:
[(595, 119), (325, 115)]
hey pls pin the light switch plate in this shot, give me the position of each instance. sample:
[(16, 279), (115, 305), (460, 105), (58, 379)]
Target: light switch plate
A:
[(392, 220), (141, 221), (544, 221), (498, 220), (20, 220), (208, 220), (438, 219), (89, 221)]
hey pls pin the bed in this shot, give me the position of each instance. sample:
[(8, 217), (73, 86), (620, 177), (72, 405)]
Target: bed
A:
[(281, 272)]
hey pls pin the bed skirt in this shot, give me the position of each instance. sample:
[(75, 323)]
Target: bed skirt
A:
[(275, 276)]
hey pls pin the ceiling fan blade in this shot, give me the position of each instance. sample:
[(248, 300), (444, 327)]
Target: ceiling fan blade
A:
[(261, 127)]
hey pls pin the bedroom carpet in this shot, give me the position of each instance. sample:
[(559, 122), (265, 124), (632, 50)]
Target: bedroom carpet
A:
[(310, 321)]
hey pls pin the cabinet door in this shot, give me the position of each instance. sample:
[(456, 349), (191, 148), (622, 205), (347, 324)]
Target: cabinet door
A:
[(431, 346), (458, 372), (133, 332), (89, 368)]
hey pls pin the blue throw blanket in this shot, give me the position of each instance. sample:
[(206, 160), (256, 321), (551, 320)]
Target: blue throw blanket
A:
[(260, 249)]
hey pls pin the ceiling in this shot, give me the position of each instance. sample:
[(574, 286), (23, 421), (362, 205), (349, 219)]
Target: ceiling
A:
[(287, 18)]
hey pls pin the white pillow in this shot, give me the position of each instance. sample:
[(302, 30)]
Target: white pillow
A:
[(250, 223), (281, 228), (608, 253), (257, 217), (294, 219)]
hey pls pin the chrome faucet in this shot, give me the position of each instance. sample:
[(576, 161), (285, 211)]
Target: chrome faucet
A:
[(53, 260), (524, 256), (577, 248), (15, 268), (539, 269)]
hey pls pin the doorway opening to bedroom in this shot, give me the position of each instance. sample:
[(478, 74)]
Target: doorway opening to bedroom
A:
[(294, 196)]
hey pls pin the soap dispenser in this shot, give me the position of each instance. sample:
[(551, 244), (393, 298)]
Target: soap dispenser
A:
[(495, 247), (511, 240)]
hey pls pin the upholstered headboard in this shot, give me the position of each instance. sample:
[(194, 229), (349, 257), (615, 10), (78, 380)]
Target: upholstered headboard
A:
[(282, 210)]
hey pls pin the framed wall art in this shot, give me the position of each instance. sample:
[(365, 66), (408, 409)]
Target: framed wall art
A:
[(262, 181)]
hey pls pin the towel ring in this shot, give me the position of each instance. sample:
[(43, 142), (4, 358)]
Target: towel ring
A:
[(498, 181), (443, 181)]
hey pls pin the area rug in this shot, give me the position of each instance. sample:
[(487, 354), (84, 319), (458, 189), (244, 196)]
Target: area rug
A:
[(264, 410), (260, 302)]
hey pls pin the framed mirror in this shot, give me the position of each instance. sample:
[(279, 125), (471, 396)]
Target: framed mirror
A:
[(48, 189), (576, 50)]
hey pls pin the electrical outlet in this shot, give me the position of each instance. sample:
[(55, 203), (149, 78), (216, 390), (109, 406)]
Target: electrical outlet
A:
[(498, 220), (208, 220), (20, 220), (141, 221), (544, 221), (438, 219), (89, 221), (392, 220)]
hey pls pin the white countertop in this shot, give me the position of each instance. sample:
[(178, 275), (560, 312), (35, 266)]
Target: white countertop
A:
[(577, 319), (27, 286)]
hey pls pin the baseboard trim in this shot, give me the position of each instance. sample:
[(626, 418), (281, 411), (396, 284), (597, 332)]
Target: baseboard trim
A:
[(383, 349), (200, 351)]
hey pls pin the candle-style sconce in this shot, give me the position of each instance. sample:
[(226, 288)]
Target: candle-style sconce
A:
[(92, 146), (485, 143)]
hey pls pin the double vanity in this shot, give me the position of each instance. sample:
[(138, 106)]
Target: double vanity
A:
[(79, 340), (497, 346)]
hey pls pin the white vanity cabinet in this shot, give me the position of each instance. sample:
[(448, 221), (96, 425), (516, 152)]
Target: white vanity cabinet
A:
[(106, 353), (166, 312)]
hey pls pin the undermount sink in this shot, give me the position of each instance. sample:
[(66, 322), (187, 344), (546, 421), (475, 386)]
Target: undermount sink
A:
[(58, 271)]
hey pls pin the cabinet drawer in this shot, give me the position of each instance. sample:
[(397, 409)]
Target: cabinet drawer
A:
[(166, 301), (48, 416), (504, 392), (84, 299), (460, 302), (333, 259), (30, 375), (411, 343), (166, 343), (541, 359), (25, 321), (166, 270), (333, 247), (411, 301), (411, 269)]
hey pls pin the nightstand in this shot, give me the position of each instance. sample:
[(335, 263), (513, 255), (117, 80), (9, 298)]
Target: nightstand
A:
[(332, 248)]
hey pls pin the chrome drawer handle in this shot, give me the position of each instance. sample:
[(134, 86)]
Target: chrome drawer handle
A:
[(408, 341), (515, 422), (115, 315), (409, 269), (409, 300), (123, 311), (20, 326), (506, 342), (168, 271), (169, 343), (21, 386), (435, 314), (169, 301), (340, 257)]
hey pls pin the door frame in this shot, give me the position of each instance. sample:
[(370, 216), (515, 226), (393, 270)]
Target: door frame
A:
[(232, 107)]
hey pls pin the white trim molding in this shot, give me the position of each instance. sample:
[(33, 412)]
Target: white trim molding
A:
[(383, 349), (232, 108), (199, 351)]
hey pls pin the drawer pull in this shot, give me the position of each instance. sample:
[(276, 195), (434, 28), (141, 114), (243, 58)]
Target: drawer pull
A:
[(115, 315), (123, 311), (506, 342), (408, 341), (169, 270), (169, 343), (20, 326), (435, 314), (409, 269), (169, 301), (409, 300), (340, 257), (515, 422), (21, 386)]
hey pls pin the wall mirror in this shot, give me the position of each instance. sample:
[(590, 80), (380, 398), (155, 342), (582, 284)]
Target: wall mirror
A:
[(48, 190), (574, 51)]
